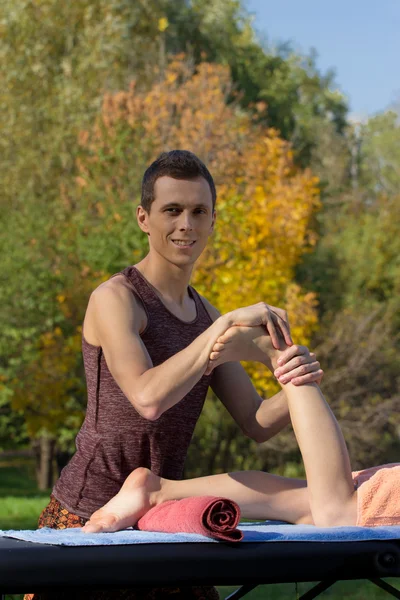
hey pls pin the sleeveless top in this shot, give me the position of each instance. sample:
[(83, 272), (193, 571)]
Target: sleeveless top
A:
[(114, 438)]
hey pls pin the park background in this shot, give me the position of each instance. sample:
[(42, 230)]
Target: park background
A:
[(308, 216)]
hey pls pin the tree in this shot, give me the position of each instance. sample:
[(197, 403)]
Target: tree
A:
[(264, 205), (57, 61), (355, 271), (380, 148), (356, 260)]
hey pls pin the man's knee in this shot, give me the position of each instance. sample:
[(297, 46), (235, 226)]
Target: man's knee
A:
[(337, 514)]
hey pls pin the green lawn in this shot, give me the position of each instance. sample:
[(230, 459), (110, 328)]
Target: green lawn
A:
[(20, 500), (357, 590), (21, 504)]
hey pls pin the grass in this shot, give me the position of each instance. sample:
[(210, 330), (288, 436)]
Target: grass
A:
[(357, 590), (20, 501), (21, 504)]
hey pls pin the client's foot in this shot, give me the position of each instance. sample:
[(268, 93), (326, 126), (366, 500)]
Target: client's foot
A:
[(245, 343), (139, 493)]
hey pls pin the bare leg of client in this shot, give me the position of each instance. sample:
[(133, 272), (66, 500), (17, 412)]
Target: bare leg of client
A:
[(327, 498)]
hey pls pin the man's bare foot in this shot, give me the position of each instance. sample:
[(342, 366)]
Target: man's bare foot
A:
[(245, 343), (139, 493)]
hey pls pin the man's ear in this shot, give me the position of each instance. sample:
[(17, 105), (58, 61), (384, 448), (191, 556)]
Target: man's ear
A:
[(213, 222), (142, 217)]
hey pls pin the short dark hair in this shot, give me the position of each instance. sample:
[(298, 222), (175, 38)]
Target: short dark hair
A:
[(179, 164)]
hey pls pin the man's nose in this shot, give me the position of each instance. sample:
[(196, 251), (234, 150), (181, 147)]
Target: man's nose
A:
[(185, 222)]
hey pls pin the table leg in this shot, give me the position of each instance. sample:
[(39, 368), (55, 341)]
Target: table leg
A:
[(317, 589), (387, 587), (240, 592)]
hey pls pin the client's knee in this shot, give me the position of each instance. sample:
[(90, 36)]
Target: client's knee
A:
[(336, 515)]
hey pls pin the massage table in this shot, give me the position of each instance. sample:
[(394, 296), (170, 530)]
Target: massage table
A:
[(269, 553)]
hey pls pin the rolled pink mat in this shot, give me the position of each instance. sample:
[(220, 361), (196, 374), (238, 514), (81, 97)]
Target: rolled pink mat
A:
[(214, 517)]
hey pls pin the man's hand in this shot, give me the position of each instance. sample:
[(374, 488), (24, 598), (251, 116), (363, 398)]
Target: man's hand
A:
[(299, 366), (274, 319), (296, 363)]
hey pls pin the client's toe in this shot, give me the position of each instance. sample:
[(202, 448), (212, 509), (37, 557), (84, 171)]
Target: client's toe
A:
[(100, 522)]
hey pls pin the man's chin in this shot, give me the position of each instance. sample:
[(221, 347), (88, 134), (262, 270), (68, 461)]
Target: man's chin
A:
[(185, 258), (183, 262)]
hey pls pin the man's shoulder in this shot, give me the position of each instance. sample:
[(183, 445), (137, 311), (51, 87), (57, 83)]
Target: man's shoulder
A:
[(114, 285), (116, 291), (212, 311), (113, 300)]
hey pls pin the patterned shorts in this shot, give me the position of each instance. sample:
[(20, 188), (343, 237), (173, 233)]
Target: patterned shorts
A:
[(57, 517)]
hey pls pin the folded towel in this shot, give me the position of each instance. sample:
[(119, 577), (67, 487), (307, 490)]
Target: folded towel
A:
[(217, 518), (378, 495), (268, 531)]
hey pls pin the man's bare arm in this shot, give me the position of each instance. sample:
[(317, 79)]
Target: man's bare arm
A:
[(259, 419), (116, 316), (151, 390)]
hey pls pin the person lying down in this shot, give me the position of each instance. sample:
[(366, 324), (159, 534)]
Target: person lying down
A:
[(332, 495)]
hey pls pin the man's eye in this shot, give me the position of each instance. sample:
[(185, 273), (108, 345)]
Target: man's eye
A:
[(172, 210)]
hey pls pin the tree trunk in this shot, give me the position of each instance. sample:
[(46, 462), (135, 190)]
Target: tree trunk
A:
[(44, 462)]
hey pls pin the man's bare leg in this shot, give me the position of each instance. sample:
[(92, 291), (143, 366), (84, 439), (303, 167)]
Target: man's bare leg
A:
[(259, 495), (139, 493), (332, 497), (333, 500)]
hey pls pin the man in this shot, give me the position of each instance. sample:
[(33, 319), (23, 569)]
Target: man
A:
[(147, 339)]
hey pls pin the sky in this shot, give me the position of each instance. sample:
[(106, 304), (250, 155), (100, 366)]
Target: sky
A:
[(359, 39)]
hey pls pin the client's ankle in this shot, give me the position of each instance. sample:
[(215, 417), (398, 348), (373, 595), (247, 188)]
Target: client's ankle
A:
[(145, 480), (274, 356), (156, 494), (271, 358)]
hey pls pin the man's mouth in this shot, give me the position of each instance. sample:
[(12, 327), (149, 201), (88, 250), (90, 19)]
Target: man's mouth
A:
[(184, 243)]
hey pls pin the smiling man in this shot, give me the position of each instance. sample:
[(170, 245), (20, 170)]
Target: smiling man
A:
[(147, 339)]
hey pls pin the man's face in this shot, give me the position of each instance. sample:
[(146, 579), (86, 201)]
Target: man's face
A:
[(181, 219)]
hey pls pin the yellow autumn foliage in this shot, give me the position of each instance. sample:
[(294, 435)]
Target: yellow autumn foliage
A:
[(50, 388), (52, 398), (264, 208), (264, 202)]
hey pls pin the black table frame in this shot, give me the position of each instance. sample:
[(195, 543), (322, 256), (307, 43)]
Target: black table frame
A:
[(27, 567)]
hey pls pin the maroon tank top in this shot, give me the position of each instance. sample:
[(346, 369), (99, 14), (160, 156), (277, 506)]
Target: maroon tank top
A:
[(114, 438)]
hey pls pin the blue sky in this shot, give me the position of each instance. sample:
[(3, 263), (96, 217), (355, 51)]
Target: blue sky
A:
[(359, 39)]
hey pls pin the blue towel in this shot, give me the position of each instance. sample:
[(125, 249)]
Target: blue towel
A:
[(266, 531)]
